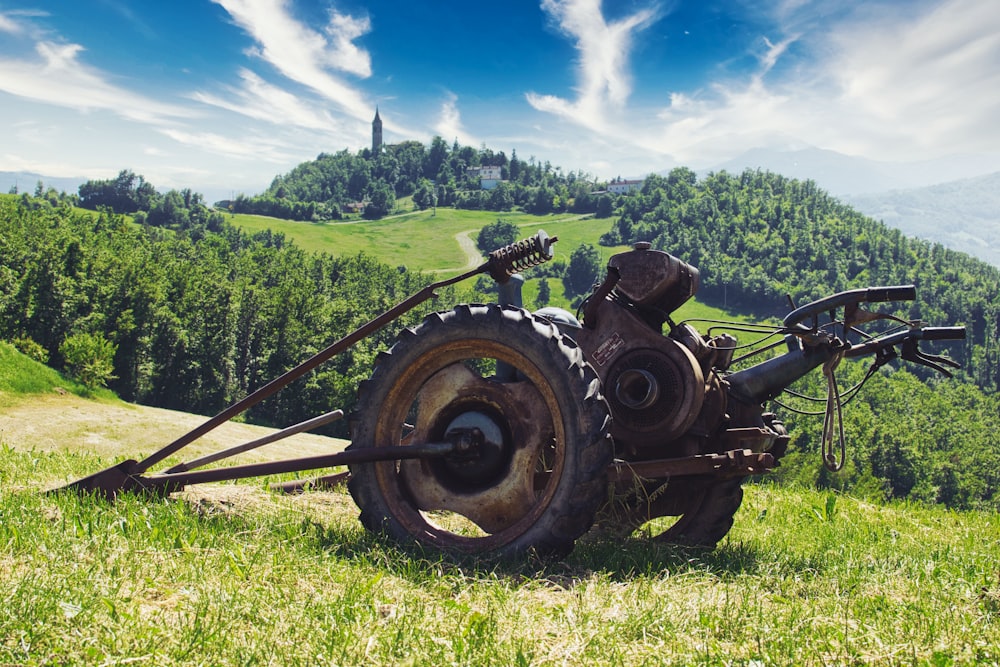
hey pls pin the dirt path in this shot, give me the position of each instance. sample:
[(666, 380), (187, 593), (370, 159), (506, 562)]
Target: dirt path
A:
[(473, 257)]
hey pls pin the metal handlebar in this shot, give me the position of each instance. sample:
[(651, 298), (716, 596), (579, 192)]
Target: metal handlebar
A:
[(868, 294)]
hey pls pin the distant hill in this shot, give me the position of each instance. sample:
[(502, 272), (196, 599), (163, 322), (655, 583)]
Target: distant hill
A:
[(25, 181), (962, 215), (841, 174)]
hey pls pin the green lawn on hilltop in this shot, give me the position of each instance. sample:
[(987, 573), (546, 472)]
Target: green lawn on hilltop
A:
[(426, 241)]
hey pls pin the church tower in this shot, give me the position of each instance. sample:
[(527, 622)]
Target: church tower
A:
[(376, 134)]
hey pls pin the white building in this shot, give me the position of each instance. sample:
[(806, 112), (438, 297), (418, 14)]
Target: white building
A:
[(623, 187), (489, 177)]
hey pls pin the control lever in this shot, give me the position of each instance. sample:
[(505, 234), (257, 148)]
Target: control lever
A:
[(912, 353)]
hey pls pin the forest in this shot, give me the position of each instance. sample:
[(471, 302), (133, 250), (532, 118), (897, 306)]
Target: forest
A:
[(185, 311), (333, 184)]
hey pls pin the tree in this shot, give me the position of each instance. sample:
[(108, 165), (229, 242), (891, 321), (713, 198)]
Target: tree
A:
[(605, 207), (381, 200), (89, 358), (582, 271), (496, 235), (544, 293), (425, 196), (501, 198)]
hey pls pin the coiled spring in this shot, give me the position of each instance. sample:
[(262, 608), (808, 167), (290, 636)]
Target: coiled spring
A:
[(520, 255)]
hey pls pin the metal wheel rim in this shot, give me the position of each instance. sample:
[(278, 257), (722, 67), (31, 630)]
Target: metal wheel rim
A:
[(389, 432)]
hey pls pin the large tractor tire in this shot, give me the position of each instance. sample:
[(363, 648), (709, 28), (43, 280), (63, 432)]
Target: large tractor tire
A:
[(507, 382)]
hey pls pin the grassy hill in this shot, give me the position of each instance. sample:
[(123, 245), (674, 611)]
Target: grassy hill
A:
[(430, 241), (233, 574), (425, 240)]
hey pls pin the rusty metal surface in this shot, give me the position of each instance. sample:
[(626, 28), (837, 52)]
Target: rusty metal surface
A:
[(654, 278), (508, 495), (739, 462), (621, 341)]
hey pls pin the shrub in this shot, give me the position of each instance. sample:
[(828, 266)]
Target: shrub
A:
[(29, 348), (89, 358)]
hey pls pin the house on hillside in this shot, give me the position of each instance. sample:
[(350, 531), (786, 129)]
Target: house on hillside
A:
[(621, 186), (489, 177)]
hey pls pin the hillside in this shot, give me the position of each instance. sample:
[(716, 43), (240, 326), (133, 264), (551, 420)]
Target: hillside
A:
[(230, 573), (44, 411), (194, 319), (963, 215)]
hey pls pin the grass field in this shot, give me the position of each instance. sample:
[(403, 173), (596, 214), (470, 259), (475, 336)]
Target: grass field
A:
[(232, 574), (428, 241)]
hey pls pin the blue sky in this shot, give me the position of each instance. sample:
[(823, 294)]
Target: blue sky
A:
[(222, 95)]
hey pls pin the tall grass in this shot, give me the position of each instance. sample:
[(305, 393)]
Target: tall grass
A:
[(232, 574)]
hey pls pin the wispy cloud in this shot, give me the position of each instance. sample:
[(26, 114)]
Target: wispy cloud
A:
[(304, 55), (931, 81), (242, 147), (58, 77), (260, 100), (870, 79), (603, 82), (9, 25)]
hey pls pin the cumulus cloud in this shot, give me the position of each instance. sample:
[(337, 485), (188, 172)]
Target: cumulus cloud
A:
[(603, 81)]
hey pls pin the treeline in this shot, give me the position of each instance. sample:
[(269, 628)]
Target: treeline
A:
[(335, 184), (192, 323), (758, 238), (130, 193)]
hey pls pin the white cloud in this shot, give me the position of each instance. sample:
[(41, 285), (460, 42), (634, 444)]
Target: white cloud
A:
[(928, 83), (58, 77), (304, 55), (260, 100), (603, 82), (888, 81), (343, 30), (449, 125), (8, 25), (242, 147)]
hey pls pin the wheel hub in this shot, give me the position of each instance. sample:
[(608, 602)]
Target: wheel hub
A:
[(482, 452), (500, 430)]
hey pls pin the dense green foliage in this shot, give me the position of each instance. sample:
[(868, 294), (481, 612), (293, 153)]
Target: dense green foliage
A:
[(929, 440), (179, 210), (496, 235), (193, 323), (335, 184), (758, 237)]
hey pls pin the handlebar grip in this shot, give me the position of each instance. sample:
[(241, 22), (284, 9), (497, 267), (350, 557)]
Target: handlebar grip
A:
[(892, 293), (943, 333)]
